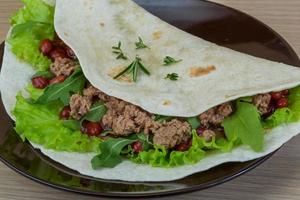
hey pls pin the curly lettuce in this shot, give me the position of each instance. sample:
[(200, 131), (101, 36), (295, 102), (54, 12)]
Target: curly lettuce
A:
[(34, 10), (161, 157), (40, 124), (31, 25), (286, 115)]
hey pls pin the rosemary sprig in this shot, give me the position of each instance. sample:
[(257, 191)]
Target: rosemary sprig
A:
[(134, 68), (170, 61), (117, 50), (172, 77), (140, 44)]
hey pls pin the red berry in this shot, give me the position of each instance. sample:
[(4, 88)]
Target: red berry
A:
[(200, 131), (58, 79), (92, 128), (276, 95), (285, 92), (70, 53), (137, 146), (46, 46), (40, 82), (282, 103), (57, 53), (184, 146), (65, 113)]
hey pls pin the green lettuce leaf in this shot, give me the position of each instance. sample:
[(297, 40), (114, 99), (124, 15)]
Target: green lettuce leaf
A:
[(40, 124), (34, 10), (33, 92), (160, 157), (31, 25), (245, 125), (286, 115), (25, 40), (110, 152)]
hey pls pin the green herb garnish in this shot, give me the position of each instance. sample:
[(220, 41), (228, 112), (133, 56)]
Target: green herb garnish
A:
[(140, 44), (96, 113), (245, 125), (172, 77), (63, 91), (170, 61), (117, 50), (133, 68)]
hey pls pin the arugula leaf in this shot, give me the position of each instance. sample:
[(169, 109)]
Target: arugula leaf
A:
[(194, 122), (72, 124), (162, 118), (245, 125), (62, 91), (146, 141), (110, 152), (45, 74), (97, 111)]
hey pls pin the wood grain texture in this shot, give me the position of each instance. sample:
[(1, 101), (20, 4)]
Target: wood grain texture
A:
[(276, 179)]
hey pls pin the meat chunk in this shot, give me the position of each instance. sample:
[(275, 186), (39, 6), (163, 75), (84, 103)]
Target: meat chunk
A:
[(262, 102), (215, 116), (208, 135), (80, 105), (172, 133), (91, 92), (63, 66), (125, 119)]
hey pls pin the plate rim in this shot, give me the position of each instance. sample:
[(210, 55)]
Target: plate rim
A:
[(210, 184)]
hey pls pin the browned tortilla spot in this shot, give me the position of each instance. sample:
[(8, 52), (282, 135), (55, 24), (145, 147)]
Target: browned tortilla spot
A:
[(116, 70), (66, 34), (102, 24), (167, 103), (201, 71), (157, 35)]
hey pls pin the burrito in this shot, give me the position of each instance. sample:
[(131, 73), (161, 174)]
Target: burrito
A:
[(113, 92)]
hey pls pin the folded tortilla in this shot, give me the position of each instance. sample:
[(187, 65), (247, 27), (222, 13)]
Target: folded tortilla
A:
[(235, 75)]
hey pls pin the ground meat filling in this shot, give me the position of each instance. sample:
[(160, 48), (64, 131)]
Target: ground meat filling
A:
[(262, 102), (63, 66), (80, 105), (172, 133), (215, 116), (124, 119)]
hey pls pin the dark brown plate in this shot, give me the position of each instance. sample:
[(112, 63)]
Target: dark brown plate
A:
[(214, 22)]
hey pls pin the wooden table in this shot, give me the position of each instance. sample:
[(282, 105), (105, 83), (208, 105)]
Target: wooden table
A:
[(278, 178)]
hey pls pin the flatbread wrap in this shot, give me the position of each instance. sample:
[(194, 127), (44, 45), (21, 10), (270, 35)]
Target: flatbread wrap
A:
[(114, 89)]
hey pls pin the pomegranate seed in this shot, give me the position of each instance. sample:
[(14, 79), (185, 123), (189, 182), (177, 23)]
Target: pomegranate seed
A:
[(137, 146), (184, 146), (282, 103), (285, 92), (40, 82), (65, 113), (200, 131), (58, 79), (70, 53), (92, 128), (276, 95), (46, 46), (57, 53)]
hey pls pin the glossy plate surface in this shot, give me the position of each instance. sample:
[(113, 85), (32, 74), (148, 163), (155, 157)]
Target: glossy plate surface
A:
[(213, 22)]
